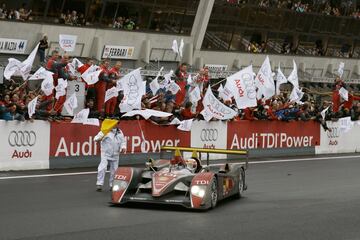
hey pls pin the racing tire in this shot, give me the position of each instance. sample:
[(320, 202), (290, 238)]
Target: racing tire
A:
[(241, 184), (213, 193)]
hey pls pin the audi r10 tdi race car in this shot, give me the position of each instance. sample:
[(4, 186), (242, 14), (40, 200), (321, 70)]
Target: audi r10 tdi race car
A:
[(179, 181)]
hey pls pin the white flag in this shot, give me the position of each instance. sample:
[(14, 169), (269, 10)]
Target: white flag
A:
[(133, 90), (293, 77), (189, 80), (264, 80), (175, 47), (341, 69), (154, 85), (323, 112), (119, 85), (74, 65), (344, 94), (167, 79), (207, 114), (41, 73), (47, 86), (296, 95), (173, 87), (218, 109), (242, 87), (280, 79), (91, 75), (175, 121), (32, 107), (61, 88), (181, 48), (225, 93), (92, 121), (71, 104), (12, 68), (195, 95), (345, 124), (110, 93), (185, 125), (15, 67), (67, 42), (81, 116)]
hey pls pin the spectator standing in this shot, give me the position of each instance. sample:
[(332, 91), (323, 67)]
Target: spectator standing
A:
[(181, 77), (100, 86), (42, 47), (114, 75)]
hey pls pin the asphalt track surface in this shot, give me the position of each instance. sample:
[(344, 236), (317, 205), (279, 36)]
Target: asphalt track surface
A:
[(287, 200)]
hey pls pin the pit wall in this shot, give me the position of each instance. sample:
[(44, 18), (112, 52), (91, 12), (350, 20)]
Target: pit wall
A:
[(44, 145)]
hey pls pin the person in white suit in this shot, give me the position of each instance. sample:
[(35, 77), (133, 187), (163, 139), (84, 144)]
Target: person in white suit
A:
[(112, 144)]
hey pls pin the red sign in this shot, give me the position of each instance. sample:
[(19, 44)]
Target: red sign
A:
[(272, 134), (69, 139)]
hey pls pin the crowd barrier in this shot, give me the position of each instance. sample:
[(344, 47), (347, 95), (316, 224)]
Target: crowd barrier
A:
[(43, 145)]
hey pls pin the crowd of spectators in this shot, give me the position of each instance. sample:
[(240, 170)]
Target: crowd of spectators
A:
[(15, 96), (126, 23), (72, 18), (19, 14), (326, 7)]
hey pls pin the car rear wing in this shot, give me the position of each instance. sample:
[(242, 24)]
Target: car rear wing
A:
[(195, 152)]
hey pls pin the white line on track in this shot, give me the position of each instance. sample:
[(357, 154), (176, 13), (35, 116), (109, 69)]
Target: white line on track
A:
[(218, 164)]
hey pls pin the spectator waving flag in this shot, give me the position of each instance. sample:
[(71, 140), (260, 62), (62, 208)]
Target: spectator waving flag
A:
[(293, 77), (133, 91), (154, 85), (217, 109), (32, 107), (71, 104), (242, 87), (110, 93), (264, 80), (81, 116), (74, 65), (91, 75)]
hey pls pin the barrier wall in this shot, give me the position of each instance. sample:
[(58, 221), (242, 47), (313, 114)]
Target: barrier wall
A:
[(42, 145)]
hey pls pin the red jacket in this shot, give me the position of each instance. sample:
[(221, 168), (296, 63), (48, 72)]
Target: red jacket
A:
[(349, 103), (248, 114), (187, 114), (336, 101), (181, 94)]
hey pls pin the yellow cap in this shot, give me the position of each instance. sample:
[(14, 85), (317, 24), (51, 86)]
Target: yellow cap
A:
[(194, 154), (177, 153), (107, 125)]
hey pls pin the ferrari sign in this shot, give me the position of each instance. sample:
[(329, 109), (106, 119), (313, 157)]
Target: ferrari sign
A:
[(118, 52)]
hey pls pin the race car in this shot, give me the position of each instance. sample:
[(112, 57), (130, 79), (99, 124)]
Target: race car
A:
[(181, 181)]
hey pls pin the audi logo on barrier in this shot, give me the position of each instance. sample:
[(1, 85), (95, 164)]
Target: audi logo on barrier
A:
[(22, 138), (333, 132), (209, 135)]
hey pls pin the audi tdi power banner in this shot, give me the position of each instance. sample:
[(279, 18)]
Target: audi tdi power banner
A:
[(24, 145), (74, 140), (272, 134), (338, 139)]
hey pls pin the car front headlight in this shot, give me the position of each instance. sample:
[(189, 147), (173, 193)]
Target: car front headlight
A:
[(119, 186), (198, 191)]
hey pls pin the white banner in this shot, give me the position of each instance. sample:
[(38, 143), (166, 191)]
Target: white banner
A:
[(42, 73), (340, 70), (280, 79), (218, 109), (133, 90), (32, 107), (209, 135), (293, 77), (110, 93), (13, 46), (344, 94), (67, 42), (185, 125), (118, 52), (82, 116), (91, 75), (242, 87), (337, 140), (70, 104), (216, 67), (24, 145)]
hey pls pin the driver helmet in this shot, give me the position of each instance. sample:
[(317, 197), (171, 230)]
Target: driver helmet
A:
[(191, 165)]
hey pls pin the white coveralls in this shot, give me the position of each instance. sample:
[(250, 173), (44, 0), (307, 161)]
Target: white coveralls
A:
[(111, 145)]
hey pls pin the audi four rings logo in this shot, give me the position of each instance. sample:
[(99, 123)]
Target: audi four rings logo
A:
[(209, 135), (22, 138), (333, 132)]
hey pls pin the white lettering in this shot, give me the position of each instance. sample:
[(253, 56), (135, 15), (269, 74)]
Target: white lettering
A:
[(62, 148)]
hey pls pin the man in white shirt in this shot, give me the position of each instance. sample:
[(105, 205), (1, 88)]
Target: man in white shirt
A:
[(112, 144)]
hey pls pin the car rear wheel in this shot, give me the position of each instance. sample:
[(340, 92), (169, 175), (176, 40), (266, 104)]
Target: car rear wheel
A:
[(213, 193), (241, 184)]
